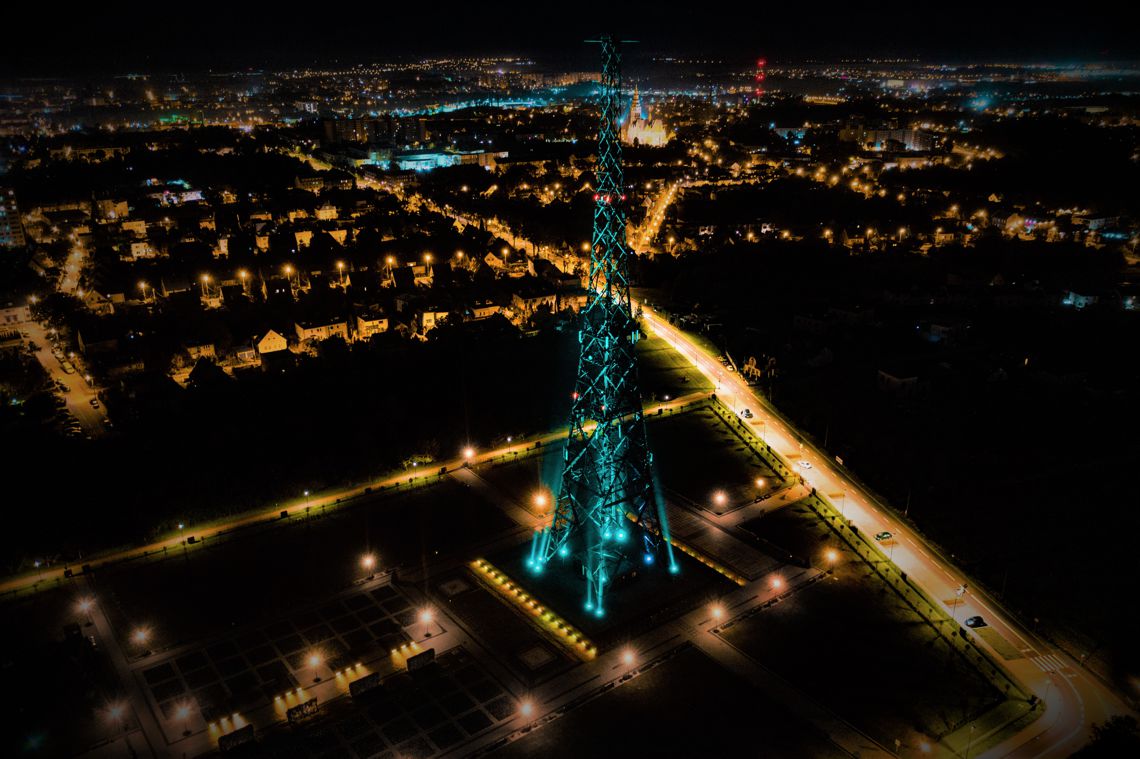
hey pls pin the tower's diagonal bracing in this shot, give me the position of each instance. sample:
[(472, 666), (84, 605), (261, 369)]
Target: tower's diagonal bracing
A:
[(607, 474)]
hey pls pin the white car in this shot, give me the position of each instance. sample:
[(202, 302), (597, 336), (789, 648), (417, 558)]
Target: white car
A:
[(805, 464)]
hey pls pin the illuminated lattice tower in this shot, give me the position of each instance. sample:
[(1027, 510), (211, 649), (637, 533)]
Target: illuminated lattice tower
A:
[(608, 512)]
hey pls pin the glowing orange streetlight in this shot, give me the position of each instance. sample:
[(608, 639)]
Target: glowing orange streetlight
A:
[(314, 661)]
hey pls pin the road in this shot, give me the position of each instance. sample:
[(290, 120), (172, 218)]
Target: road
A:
[(1075, 698), (643, 236), (81, 391)]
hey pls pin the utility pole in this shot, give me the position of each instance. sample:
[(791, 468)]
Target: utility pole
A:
[(607, 469)]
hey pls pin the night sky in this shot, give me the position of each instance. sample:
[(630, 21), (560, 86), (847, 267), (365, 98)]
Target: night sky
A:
[(45, 39)]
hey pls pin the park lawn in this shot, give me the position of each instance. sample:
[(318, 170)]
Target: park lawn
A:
[(685, 706)]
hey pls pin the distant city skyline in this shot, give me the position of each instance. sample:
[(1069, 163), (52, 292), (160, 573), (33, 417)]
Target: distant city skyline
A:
[(148, 37)]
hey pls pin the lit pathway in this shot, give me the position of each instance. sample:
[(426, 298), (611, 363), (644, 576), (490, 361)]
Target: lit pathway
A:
[(331, 499)]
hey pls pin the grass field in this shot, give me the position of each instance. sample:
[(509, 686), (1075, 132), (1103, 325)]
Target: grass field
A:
[(243, 580), (697, 456), (665, 372), (686, 706), (796, 530), (852, 644)]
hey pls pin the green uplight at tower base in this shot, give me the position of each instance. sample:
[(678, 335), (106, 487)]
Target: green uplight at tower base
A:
[(607, 474)]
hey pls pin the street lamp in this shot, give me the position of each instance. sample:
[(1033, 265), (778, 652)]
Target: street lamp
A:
[(85, 606), (719, 498), (831, 555), (777, 583), (468, 453), (426, 617), (116, 714), (759, 482), (628, 657), (314, 660), (183, 713), (540, 500), (526, 708), (717, 612), (368, 561)]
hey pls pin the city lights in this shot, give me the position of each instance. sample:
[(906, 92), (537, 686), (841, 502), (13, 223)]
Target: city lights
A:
[(907, 268)]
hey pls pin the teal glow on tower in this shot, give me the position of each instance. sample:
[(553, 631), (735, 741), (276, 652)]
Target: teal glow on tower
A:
[(607, 474)]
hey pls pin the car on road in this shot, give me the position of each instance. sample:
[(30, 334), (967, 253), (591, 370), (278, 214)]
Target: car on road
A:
[(804, 463), (63, 388), (94, 403), (884, 535), (975, 622), (746, 413)]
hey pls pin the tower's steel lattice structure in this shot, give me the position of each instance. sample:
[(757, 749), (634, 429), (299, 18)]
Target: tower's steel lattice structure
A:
[(608, 468)]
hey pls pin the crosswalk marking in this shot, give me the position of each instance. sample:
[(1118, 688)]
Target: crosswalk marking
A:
[(1049, 663)]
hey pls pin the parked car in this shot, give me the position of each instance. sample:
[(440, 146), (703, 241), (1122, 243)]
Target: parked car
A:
[(63, 388), (94, 403)]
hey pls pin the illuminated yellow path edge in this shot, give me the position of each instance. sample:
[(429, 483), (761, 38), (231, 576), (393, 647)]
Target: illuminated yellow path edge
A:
[(549, 623)]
